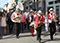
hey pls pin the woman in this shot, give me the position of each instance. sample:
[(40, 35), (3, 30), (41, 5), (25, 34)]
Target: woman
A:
[(3, 23), (23, 21)]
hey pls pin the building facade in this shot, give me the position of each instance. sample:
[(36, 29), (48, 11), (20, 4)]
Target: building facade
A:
[(33, 4), (55, 5)]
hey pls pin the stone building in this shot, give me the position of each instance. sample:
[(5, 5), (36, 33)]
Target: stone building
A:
[(55, 5)]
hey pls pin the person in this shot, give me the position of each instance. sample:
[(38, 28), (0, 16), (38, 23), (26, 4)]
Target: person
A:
[(39, 19), (31, 17), (3, 23), (35, 14), (51, 19), (57, 22), (27, 22), (18, 23), (23, 21), (9, 22), (46, 22)]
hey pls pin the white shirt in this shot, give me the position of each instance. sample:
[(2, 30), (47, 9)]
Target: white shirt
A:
[(26, 14)]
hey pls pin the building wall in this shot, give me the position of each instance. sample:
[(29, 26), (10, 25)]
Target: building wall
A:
[(55, 5), (31, 5)]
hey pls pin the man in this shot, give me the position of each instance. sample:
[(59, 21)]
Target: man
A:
[(51, 19), (39, 19), (18, 25), (26, 15), (9, 22)]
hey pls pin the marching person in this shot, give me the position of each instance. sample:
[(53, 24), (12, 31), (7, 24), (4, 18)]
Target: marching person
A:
[(39, 20), (51, 18), (17, 15), (35, 14), (9, 22), (31, 17), (23, 21)]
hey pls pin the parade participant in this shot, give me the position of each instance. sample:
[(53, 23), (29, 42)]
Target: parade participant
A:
[(39, 20), (16, 18), (31, 17), (18, 27), (27, 22), (3, 23), (51, 18), (9, 22), (46, 22), (35, 14), (23, 21)]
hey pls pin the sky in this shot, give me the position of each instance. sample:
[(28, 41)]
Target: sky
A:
[(3, 2)]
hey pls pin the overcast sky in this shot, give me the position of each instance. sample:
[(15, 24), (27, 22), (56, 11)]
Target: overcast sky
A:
[(3, 2)]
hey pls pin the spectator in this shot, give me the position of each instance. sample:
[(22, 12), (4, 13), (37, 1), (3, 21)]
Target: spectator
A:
[(23, 21), (3, 23)]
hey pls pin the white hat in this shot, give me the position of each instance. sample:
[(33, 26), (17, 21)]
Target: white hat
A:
[(31, 10), (51, 9), (39, 11)]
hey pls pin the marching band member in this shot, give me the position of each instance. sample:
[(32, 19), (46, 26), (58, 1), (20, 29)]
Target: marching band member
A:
[(39, 19), (31, 20), (35, 14), (18, 23), (51, 18), (18, 26)]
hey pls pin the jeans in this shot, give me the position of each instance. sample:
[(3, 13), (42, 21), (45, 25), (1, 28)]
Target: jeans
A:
[(27, 24), (22, 26), (11, 27)]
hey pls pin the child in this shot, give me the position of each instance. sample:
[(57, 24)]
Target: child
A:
[(3, 23)]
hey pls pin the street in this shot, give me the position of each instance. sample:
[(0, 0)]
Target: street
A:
[(27, 38)]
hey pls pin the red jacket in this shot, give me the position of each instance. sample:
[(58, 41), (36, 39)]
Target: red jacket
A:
[(49, 16), (36, 19)]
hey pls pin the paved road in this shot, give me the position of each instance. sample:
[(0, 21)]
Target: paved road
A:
[(27, 38)]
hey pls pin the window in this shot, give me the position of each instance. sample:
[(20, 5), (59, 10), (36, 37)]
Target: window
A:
[(51, 2), (56, 2), (57, 9)]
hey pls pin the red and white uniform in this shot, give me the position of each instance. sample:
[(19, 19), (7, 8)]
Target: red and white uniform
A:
[(52, 19), (36, 19)]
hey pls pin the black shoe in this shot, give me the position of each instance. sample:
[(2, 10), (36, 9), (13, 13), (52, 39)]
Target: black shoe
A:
[(33, 35), (39, 39), (51, 39), (17, 37)]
